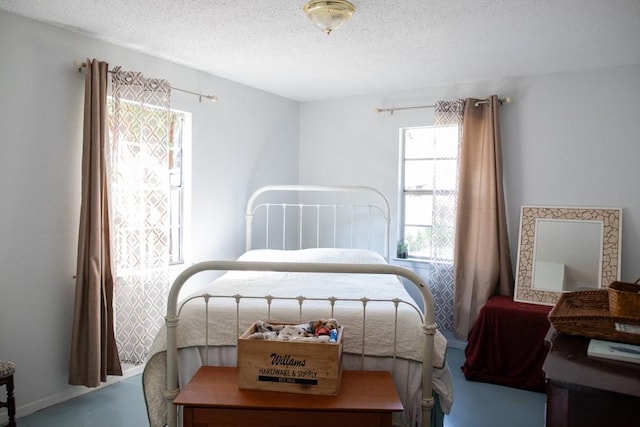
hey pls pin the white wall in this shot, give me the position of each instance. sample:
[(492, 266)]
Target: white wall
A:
[(569, 139), (246, 140)]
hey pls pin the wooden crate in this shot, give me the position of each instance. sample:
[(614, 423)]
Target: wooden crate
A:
[(290, 366)]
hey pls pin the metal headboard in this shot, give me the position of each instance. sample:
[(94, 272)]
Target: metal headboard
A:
[(377, 207)]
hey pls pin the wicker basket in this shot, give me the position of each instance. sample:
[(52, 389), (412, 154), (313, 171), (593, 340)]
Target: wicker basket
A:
[(624, 299), (586, 313)]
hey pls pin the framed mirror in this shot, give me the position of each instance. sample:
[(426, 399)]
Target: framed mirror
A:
[(563, 249)]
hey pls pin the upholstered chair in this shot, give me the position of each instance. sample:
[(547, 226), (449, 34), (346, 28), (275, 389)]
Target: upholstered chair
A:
[(7, 369)]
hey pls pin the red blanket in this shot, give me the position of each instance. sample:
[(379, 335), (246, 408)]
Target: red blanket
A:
[(506, 345)]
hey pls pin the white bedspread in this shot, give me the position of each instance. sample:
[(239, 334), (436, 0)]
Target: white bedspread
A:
[(225, 323)]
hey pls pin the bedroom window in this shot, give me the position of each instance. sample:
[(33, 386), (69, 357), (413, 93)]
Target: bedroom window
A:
[(178, 169), (428, 186)]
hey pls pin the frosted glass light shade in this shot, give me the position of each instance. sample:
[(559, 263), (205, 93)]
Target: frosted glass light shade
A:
[(329, 15)]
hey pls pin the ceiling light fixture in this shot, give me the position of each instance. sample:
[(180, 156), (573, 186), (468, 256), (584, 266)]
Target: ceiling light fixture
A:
[(329, 15)]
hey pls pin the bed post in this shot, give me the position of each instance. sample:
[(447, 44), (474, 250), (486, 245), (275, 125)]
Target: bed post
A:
[(427, 402), (172, 372), (429, 328), (171, 321), (248, 227)]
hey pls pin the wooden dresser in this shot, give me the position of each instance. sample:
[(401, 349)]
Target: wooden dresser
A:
[(212, 398), (587, 392)]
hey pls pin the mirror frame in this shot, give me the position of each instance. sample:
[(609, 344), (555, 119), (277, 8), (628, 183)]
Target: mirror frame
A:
[(611, 219)]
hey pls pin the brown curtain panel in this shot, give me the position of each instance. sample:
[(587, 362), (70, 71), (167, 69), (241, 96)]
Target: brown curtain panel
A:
[(482, 258), (93, 347)]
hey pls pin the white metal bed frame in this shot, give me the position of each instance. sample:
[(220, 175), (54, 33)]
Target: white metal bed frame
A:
[(384, 208), (173, 311)]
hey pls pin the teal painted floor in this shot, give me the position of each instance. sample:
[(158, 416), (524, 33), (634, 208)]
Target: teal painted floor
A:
[(475, 405), (488, 405), (117, 405)]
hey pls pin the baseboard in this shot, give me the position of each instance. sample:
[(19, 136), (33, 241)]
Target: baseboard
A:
[(452, 341), (128, 371)]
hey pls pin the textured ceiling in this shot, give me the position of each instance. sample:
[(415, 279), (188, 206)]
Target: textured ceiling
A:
[(388, 45)]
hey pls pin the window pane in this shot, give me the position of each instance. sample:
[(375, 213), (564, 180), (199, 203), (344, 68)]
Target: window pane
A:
[(418, 174), (174, 252), (418, 241), (418, 209), (175, 244), (175, 161), (175, 178), (446, 141), (175, 144), (418, 143), (445, 175)]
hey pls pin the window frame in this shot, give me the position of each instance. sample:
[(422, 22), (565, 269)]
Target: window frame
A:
[(185, 189), (404, 193)]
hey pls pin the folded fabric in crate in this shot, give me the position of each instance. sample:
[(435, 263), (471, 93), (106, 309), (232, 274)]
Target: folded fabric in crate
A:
[(322, 330)]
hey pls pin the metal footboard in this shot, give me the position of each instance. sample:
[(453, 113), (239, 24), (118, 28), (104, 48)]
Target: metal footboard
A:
[(429, 327)]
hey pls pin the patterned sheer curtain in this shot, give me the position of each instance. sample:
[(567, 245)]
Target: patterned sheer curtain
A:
[(139, 201), (448, 124)]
